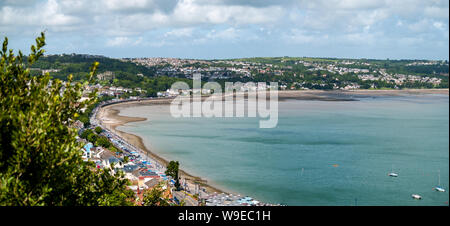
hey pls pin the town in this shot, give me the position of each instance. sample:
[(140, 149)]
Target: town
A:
[(151, 77), (328, 70)]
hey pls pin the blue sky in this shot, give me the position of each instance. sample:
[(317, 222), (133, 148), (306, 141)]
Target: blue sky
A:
[(213, 29)]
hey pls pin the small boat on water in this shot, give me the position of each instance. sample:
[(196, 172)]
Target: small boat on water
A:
[(439, 188), (416, 196), (392, 174)]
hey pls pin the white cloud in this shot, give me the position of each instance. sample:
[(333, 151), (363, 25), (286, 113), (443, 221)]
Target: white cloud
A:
[(128, 4), (47, 15), (182, 32), (426, 25), (229, 34), (123, 41), (299, 37), (190, 12), (171, 22), (363, 38), (436, 12), (118, 41), (342, 4), (439, 25), (138, 16)]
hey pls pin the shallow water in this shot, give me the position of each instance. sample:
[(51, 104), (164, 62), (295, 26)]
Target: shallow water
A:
[(321, 153)]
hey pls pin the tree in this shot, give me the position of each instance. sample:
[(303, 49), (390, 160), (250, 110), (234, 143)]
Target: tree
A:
[(92, 137), (103, 141), (85, 120), (86, 133), (40, 158), (98, 129), (154, 196), (151, 92), (172, 170), (114, 149)]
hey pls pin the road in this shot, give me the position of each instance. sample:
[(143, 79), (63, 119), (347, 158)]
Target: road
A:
[(189, 201)]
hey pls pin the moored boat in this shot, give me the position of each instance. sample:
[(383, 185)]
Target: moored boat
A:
[(416, 196), (392, 173), (438, 187)]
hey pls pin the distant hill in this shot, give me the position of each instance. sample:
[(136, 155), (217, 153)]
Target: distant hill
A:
[(291, 72), (79, 64)]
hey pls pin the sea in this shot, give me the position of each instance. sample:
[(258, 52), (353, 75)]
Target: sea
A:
[(321, 153)]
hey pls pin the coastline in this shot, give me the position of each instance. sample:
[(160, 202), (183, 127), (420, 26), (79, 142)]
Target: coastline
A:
[(349, 95), (110, 117)]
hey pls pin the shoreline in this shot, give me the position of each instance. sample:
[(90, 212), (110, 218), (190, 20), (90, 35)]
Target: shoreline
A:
[(348, 95), (110, 118)]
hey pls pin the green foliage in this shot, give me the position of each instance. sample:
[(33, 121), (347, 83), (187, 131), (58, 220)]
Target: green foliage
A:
[(85, 120), (40, 158), (92, 138), (103, 141), (315, 80), (125, 74), (114, 149), (78, 65), (154, 197), (89, 135), (172, 170), (98, 129), (86, 133)]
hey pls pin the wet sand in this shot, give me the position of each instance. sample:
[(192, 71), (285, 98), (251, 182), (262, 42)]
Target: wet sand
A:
[(349, 95)]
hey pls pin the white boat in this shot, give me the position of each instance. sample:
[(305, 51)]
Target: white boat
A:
[(392, 174), (439, 188), (416, 196)]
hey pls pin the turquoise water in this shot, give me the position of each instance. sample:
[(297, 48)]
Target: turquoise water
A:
[(321, 153)]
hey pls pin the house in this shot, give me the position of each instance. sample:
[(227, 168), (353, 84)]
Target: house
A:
[(87, 151), (78, 124), (107, 75)]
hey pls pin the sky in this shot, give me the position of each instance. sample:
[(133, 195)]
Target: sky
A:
[(218, 29)]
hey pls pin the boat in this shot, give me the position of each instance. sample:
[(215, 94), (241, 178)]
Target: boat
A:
[(392, 174), (438, 187), (416, 196)]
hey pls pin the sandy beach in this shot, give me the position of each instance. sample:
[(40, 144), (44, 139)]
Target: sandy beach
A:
[(110, 117)]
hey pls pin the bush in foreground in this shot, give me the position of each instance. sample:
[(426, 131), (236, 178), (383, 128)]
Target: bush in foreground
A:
[(40, 159)]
